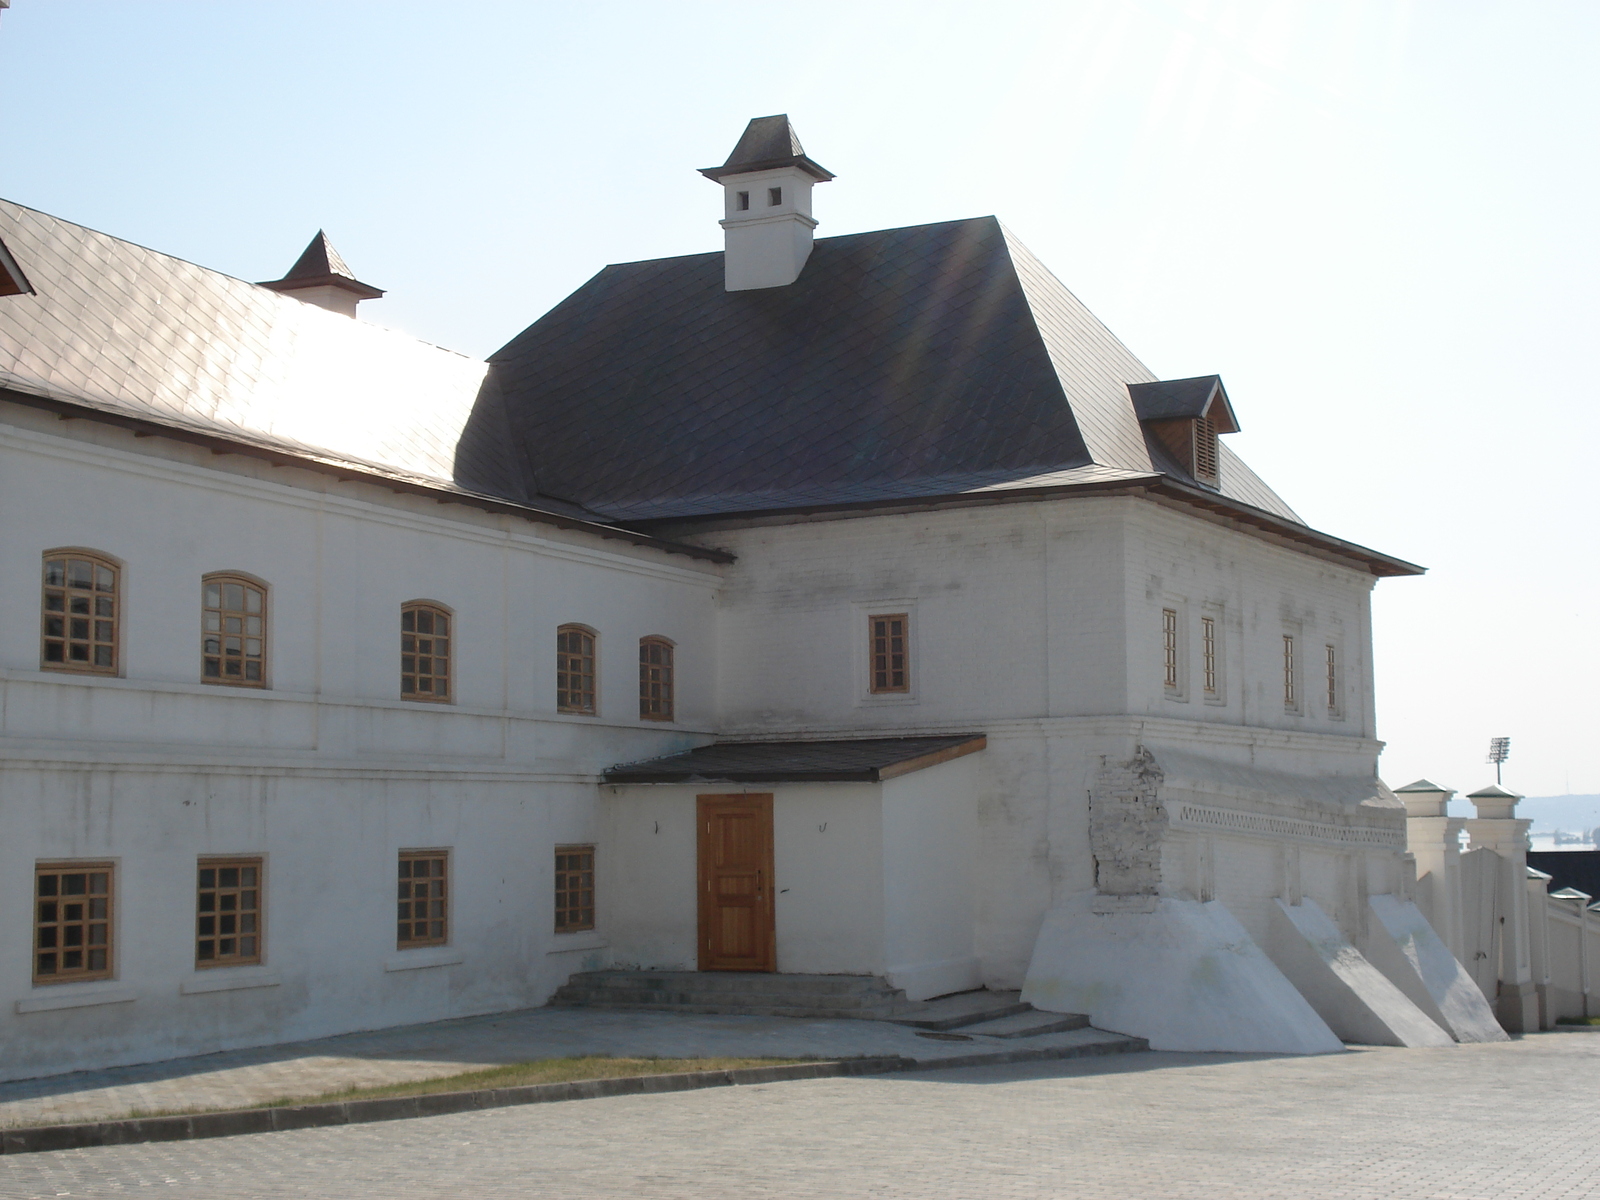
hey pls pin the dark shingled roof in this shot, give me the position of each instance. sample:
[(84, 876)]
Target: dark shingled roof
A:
[(927, 361), (768, 142), (868, 760)]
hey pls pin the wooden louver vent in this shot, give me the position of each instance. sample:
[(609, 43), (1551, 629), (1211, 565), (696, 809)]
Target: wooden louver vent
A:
[(1205, 450)]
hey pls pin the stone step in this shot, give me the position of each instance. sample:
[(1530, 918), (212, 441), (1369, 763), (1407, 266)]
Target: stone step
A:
[(734, 981), (672, 997), (961, 1010), (1028, 1024), (745, 1010)]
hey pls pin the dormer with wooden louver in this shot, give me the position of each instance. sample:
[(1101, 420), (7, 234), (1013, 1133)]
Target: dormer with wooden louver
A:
[(1184, 417)]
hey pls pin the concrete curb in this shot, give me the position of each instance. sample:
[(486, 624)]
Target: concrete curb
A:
[(41, 1138)]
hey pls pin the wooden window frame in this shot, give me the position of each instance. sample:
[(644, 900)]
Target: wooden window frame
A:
[(1291, 682), (437, 899), (221, 580), (1335, 709), (55, 929), (575, 890), (248, 893), (56, 624), (881, 653), (1171, 658), (1208, 656), (587, 674), (657, 679), (417, 648)]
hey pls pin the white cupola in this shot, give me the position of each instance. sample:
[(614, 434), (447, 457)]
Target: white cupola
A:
[(767, 219)]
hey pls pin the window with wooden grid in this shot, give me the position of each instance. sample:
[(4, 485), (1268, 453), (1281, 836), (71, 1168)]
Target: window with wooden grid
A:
[(233, 639), (80, 615), (72, 922), (655, 679), (1169, 648), (1291, 694), (889, 653), (575, 669), (228, 907), (424, 652), (1206, 453), (1332, 663), (1208, 654), (424, 913), (574, 888)]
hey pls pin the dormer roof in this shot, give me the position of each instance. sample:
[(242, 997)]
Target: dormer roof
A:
[(1177, 399), (320, 265), (766, 144)]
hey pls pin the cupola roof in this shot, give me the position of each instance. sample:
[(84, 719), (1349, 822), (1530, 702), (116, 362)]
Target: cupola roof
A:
[(321, 265), (766, 144)]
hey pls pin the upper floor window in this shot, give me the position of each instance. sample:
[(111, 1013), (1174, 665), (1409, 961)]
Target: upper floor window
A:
[(233, 641), (1169, 649), (1331, 663), (1208, 655), (81, 616), (655, 679), (424, 651), (775, 196), (1291, 690), (742, 201), (889, 656), (575, 669)]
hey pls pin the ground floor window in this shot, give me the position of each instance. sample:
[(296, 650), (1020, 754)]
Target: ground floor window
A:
[(228, 912), (424, 898), (72, 925), (574, 888)]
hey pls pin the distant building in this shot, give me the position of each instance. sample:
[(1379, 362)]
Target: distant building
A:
[(851, 605)]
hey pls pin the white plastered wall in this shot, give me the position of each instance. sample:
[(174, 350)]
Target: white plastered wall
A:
[(870, 879), (327, 773)]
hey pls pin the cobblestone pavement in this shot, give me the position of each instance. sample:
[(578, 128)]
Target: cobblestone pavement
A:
[(1519, 1119), (240, 1078)]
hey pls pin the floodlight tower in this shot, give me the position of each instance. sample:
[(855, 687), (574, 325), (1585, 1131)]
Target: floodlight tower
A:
[(1499, 751)]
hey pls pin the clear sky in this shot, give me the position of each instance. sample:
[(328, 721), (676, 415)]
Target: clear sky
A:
[(1376, 220)]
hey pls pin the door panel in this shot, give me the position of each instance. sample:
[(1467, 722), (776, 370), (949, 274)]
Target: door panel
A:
[(736, 911)]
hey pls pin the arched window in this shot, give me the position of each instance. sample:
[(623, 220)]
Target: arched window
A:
[(233, 630), (82, 603), (655, 679), (575, 669), (424, 651)]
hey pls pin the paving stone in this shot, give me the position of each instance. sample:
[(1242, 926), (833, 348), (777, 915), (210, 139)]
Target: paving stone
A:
[(307, 1070), (1479, 1122)]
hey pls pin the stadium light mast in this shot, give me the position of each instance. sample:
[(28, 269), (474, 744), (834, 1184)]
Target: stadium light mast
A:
[(1499, 751)]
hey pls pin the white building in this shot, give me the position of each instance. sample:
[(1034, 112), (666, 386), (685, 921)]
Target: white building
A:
[(859, 605)]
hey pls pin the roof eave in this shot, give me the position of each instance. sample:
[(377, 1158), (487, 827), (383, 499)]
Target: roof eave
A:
[(220, 443), (1154, 486), (814, 169), (364, 290)]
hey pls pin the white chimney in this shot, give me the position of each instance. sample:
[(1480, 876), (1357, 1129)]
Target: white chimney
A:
[(767, 220)]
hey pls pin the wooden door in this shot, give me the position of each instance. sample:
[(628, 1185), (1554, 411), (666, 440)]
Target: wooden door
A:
[(737, 931)]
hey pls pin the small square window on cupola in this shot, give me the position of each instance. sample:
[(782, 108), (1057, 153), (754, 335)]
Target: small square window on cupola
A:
[(1182, 419)]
